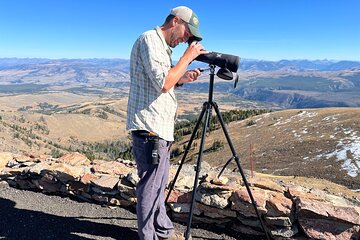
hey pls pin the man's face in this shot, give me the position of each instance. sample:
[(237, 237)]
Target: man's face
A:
[(181, 33)]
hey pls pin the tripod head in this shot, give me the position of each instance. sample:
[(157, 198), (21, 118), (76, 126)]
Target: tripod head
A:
[(228, 64), (222, 73)]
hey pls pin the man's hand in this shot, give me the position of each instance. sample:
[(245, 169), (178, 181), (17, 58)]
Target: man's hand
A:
[(178, 74), (194, 50), (190, 76)]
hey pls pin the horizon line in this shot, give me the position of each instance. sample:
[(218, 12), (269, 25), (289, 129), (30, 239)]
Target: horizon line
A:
[(118, 58)]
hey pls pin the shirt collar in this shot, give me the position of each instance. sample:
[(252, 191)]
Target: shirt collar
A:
[(168, 49)]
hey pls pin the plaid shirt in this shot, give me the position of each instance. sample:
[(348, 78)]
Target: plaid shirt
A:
[(148, 108)]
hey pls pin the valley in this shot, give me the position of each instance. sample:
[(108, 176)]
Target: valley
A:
[(51, 107)]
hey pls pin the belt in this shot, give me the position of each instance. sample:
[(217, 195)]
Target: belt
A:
[(144, 134)]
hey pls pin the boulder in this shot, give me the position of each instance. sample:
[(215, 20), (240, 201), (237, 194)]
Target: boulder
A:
[(5, 157), (74, 159)]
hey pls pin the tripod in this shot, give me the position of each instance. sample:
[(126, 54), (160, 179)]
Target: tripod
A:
[(206, 110)]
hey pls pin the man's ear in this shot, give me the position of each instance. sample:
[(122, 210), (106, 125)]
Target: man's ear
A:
[(176, 20)]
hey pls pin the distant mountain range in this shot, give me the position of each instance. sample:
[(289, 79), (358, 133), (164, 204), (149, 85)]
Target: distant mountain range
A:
[(63, 71), (245, 64), (284, 84), (298, 65)]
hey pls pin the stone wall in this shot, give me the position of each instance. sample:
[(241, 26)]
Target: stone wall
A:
[(289, 211)]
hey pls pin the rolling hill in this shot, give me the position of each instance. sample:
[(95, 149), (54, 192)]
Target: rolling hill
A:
[(321, 143)]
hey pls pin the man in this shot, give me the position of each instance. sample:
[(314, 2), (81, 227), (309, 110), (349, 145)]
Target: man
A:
[(151, 113)]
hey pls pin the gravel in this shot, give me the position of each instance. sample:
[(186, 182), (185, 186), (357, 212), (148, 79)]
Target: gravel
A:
[(33, 215)]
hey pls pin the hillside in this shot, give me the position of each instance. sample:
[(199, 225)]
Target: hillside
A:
[(302, 89), (57, 122), (65, 123), (320, 143)]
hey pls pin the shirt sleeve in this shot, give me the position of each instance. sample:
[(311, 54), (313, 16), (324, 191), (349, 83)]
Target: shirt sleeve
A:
[(155, 59)]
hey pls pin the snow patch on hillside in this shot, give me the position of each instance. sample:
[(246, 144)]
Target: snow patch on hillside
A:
[(299, 117), (348, 152)]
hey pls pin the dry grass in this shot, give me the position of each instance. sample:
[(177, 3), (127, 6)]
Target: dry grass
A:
[(293, 143), (286, 143)]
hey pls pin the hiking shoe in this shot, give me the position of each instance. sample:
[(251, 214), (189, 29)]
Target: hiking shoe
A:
[(176, 236)]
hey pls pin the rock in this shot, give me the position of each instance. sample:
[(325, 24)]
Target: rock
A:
[(286, 232), (253, 222), (126, 187), (328, 229), (87, 178), (184, 208), (279, 221), (129, 163), (36, 169), (323, 220), (299, 191), (110, 167), (84, 196), (230, 186), (220, 181), (5, 157), (241, 201), (233, 181), (65, 172), (133, 177), (185, 180), (278, 205), (26, 184), (120, 202), (12, 163), (267, 184), (4, 184), (214, 212), (48, 177), (183, 218), (179, 197), (184, 183), (307, 208), (106, 183), (241, 228), (129, 198), (22, 158), (47, 187), (78, 187), (100, 198), (215, 198), (74, 159)]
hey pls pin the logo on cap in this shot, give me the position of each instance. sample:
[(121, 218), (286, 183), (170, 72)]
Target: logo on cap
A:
[(196, 21)]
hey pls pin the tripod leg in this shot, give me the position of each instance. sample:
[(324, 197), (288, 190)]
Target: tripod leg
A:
[(226, 164), (186, 152), (198, 169), (237, 160)]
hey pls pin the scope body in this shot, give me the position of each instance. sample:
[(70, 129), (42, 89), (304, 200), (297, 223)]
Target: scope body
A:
[(221, 60)]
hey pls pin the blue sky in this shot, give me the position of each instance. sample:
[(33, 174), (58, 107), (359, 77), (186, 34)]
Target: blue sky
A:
[(256, 29)]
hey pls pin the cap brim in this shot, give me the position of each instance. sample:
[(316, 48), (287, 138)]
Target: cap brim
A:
[(195, 32)]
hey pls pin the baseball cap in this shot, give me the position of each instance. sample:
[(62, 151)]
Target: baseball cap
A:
[(190, 17)]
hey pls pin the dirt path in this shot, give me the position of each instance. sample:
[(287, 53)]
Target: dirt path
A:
[(31, 215)]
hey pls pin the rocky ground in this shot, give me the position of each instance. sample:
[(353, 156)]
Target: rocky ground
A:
[(32, 215), (292, 207)]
